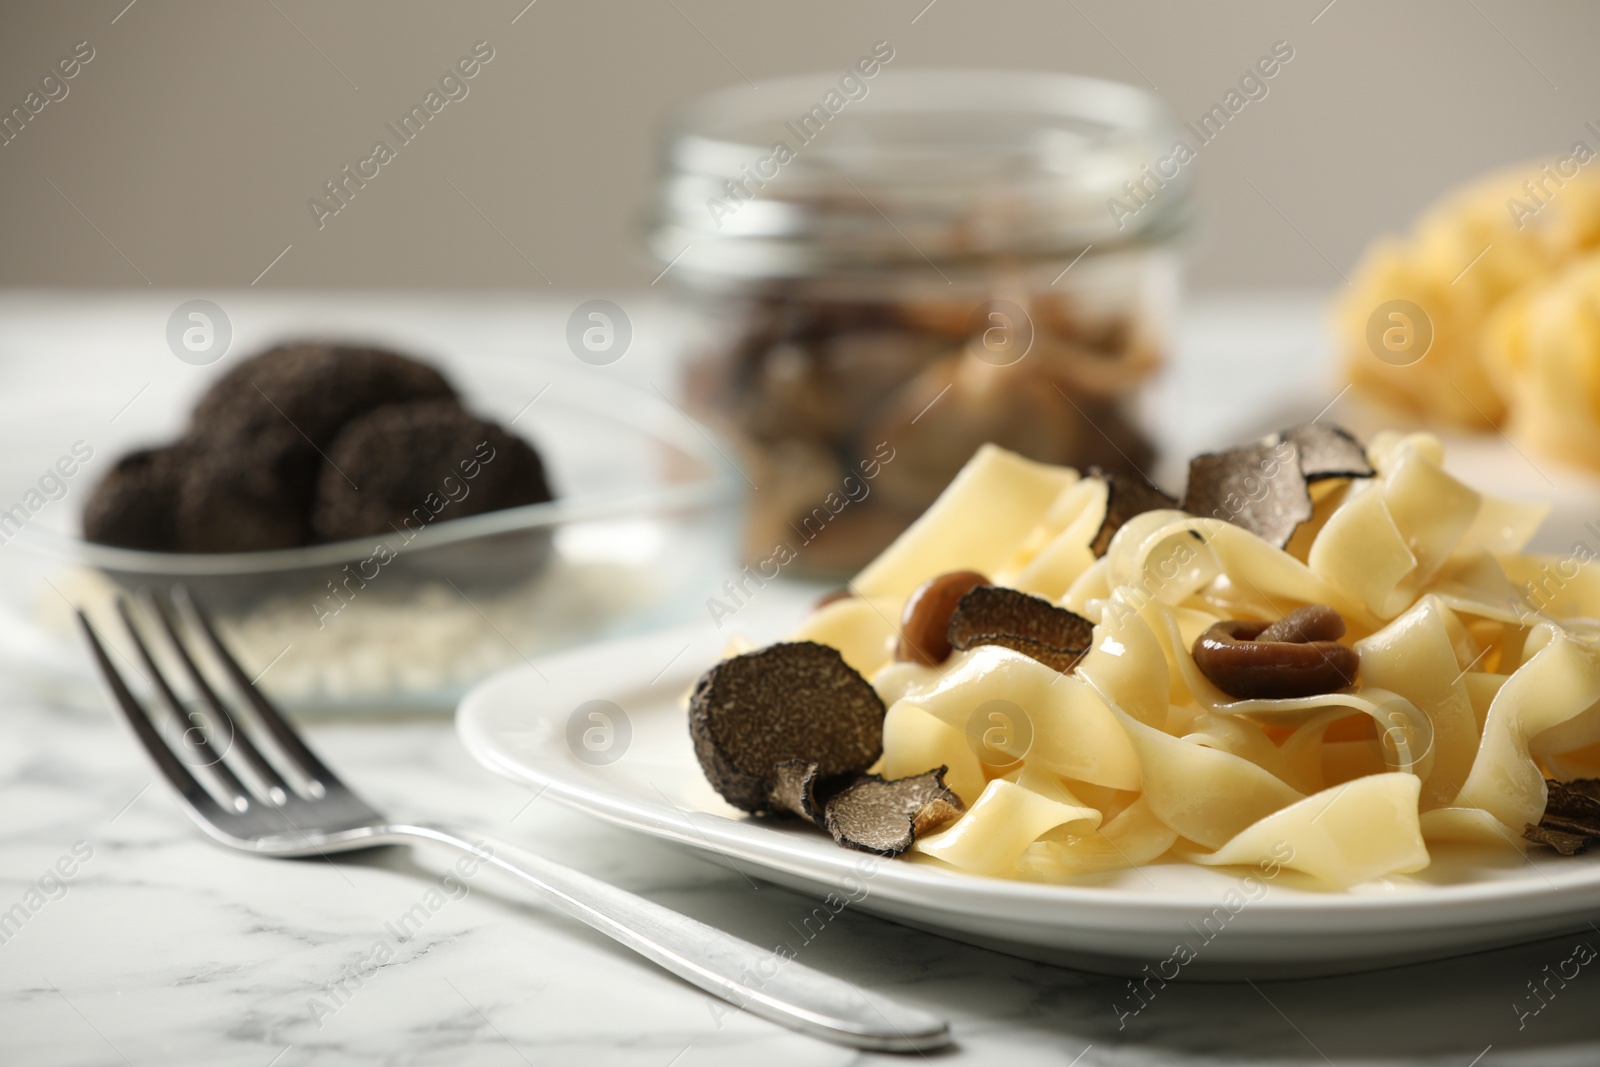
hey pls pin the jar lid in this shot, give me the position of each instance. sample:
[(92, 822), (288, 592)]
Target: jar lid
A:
[(841, 172)]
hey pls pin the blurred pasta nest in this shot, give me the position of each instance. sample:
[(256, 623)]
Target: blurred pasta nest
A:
[(1542, 352), (1507, 271)]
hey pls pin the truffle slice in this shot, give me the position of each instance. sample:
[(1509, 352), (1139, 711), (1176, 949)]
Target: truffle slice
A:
[(789, 701), (1581, 796), (995, 615), (864, 811), (874, 815), (1126, 496), (135, 505), (1571, 820), (1326, 451), (794, 790), (1257, 487), (403, 466), (1563, 842)]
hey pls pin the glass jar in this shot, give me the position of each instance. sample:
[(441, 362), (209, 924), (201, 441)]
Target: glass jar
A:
[(893, 268)]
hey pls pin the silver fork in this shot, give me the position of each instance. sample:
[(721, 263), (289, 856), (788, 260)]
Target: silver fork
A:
[(309, 811)]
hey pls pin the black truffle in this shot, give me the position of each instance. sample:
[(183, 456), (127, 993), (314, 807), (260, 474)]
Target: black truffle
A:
[(315, 388), (1568, 844), (865, 811), (403, 466), (280, 410), (873, 815), (1259, 487), (1326, 451), (229, 502), (1126, 496), (135, 505), (994, 615), (799, 788), (789, 701), (1571, 820)]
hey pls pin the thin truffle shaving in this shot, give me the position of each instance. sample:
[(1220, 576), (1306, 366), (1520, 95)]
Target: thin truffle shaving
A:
[(991, 615), (873, 815), (1571, 820), (1259, 487), (1327, 452), (1126, 496)]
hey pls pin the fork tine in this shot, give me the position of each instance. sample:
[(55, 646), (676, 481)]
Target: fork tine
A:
[(321, 778), (277, 788), (228, 781), (171, 767)]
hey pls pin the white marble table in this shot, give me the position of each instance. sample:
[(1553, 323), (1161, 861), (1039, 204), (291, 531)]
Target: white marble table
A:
[(158, 948)]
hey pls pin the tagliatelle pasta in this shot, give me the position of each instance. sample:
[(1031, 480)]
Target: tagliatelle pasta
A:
[(1479, 675)]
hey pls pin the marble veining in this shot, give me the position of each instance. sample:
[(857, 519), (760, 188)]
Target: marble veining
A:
[(160, 948), (163, 949)]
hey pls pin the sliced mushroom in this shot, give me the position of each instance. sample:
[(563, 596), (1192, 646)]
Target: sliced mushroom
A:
[(1297, 656), (925, 621)]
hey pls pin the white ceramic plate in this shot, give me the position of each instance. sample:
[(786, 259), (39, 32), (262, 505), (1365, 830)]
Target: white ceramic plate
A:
[(529, 724)]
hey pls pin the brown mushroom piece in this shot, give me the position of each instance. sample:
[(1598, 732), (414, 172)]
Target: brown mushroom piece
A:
[(842, 593), (925, 620), (790, 701), (1297, 656), (874, 815), (995, 615)]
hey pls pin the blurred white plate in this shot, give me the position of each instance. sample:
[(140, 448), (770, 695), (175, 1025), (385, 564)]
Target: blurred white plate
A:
[(536, 724)]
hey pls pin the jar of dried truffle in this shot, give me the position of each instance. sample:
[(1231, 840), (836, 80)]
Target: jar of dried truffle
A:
[(894, 267)]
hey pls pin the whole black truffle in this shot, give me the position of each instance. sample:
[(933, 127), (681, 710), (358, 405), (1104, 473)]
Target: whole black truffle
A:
[(135, 505), (316, 388), (405, 466), (278, 412), (228, 501)]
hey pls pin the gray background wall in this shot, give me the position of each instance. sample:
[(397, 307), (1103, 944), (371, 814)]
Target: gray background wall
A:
[(185, 151)]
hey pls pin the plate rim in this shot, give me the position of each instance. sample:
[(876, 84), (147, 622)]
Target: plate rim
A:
[(1445, 906)]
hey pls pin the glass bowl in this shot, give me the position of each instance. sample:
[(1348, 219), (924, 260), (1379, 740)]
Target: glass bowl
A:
[(646, 519)]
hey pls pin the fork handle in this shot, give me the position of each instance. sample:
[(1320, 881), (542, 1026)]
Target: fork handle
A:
[(761, 981)]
